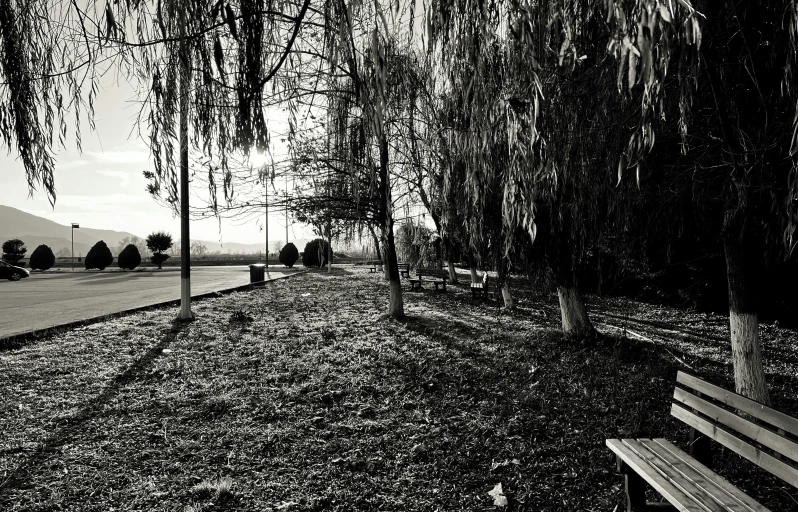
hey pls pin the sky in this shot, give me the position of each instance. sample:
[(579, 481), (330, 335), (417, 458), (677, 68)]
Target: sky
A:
[(103, 187)]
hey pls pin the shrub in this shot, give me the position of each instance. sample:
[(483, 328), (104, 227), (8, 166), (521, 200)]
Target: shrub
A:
[(289, 255), (42, 258), (99, 256), (129, 258), (13, 251), (310, 257)]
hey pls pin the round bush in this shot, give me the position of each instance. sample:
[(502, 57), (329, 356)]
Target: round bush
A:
[(289, 254), (99, 256), (42, 258), (129, 258), (310, 257)]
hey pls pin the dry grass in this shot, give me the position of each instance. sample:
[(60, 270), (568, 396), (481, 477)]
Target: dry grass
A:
[(300, 396)]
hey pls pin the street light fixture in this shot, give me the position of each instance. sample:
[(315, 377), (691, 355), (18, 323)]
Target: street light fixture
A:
[(74, 225)]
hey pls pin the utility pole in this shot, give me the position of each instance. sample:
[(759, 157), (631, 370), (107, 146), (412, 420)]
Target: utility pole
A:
[(286, 210), (185, 237), (266, 223)]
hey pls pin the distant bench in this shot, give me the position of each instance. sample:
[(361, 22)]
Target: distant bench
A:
[(375, 265), (439, 278), (480, 286), (404, 269), (754, 431)]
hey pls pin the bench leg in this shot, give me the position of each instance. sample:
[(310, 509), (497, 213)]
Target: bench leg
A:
[(634, 487), (700, 448)]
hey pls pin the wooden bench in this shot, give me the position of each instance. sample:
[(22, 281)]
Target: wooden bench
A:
[(441, 276), (758, 433), (376, 265), (404, 270), (480, 287)]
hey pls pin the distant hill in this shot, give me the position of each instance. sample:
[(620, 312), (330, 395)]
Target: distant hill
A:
[(35, 230)]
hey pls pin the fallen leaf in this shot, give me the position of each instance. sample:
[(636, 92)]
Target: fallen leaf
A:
[(499, 499)]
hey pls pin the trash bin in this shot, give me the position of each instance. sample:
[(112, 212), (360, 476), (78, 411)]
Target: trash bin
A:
[(257, 272)]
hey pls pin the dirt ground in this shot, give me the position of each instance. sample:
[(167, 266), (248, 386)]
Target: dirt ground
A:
[(302, 396)]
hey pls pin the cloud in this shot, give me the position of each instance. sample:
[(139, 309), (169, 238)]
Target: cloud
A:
[(123, 176), (121, 157)]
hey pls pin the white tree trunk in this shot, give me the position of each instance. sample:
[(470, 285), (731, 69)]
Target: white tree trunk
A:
[(452, 272), (506, 295), (329, 256), (749, 373), (396, 308), (575, 321), (749, 376), (474, 276)]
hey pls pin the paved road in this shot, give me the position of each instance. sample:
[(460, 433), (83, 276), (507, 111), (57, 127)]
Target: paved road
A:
[(48, 300)]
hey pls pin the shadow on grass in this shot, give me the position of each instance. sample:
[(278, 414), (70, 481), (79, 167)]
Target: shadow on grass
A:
[(73, 427)]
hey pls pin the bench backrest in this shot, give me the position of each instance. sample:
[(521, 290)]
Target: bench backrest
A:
[(754, 431), (433, 272)]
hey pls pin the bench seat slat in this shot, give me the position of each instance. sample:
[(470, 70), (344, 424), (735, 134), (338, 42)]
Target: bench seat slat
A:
[(751, 430), (714, 484), (675, 496), (734, 443), (695, 489), (741, 403)]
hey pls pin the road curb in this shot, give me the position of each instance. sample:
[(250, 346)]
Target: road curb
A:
[(23, 338)]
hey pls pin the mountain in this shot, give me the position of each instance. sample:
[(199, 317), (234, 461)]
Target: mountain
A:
[(34, 231)]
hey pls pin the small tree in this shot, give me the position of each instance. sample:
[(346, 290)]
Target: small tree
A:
[(129, 258), (315, 254), (64, 253), (159, 242), (42, 258), (99, 256), (289, 255), (14, 250)]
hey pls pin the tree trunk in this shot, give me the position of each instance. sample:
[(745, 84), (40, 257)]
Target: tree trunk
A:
[(452, 270), (507, 296), (376, 242), (504, 282), (749, 374), (395, 305), (472, 266), (575, 322), (329, 256)]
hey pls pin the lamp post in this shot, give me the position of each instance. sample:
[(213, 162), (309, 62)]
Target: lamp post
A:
[(266, 224), (74, 225)]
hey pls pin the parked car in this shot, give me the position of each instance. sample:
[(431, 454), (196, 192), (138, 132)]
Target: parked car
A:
[(11, 272)]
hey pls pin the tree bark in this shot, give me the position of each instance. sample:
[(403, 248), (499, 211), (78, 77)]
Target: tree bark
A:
[(503, 272), (395, 305), (749, 374), (575, 322), (452, 270)]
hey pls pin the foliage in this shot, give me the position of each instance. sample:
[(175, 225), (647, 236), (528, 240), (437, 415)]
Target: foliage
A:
[(159, 241), (418, 245), (289, 255), (14, 250), (310, 256), (99, 256), (42, 258), (129, 258)]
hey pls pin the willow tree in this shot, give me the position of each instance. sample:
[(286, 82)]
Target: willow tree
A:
[(728, 60), (54, 53)]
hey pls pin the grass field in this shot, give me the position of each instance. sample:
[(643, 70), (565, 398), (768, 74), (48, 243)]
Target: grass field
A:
[(301, 396)]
